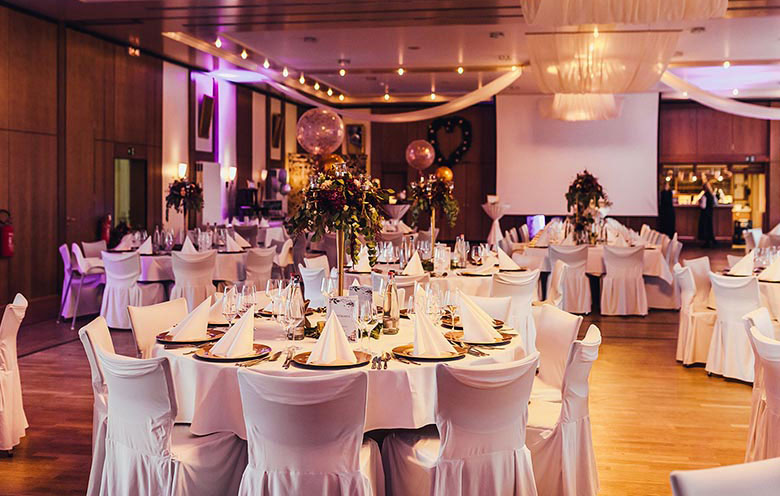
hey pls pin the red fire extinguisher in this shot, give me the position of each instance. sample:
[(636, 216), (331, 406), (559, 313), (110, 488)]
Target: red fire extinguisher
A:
[(105, 228), (6, 234)]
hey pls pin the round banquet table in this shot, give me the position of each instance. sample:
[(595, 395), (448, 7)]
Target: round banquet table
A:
[(469, 285), (228, 267), (400, 397)]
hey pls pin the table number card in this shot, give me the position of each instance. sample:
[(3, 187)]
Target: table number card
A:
[(345, 308), (363, 293)]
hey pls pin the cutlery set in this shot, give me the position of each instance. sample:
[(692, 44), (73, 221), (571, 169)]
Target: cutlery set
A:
[(270, 358)]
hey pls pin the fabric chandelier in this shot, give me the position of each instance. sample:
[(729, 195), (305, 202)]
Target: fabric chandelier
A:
[(575, 107), (572, 12)]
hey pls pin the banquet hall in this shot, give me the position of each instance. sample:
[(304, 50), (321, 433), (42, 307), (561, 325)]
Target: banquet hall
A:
[(390, 247)]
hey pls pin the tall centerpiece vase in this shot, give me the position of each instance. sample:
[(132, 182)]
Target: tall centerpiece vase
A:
[(433, 229), (340, 254)]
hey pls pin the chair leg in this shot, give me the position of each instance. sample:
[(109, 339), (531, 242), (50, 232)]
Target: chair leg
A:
[(76, 310), (64, 298)]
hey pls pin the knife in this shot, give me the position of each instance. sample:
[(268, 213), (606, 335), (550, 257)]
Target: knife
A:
[(286, 364)]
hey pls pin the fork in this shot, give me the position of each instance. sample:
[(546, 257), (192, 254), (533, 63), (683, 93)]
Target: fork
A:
[(386, 357)]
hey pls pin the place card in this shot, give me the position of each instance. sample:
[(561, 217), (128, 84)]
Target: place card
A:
[(363, 293), (345, 308)]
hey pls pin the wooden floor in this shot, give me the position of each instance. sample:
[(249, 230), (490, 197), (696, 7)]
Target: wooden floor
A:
[(649, 414)]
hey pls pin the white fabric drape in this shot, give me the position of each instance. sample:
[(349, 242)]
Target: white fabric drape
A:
[(13, 421), (571, 12), (623, 289), (495, 211), (615, 62), (575, 107)]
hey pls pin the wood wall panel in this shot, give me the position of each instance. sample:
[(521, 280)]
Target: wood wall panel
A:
[(3, 204), (243, 136), (4, 73), (677, 132)]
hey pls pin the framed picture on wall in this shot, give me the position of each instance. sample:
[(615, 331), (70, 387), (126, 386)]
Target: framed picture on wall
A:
[(355, 136), (275, 129)]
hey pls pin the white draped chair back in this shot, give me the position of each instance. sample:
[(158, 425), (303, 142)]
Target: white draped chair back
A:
[(73, 283), (305, 435), (557, 277), (496, 307), (193, 274), (623, 286), (13, 421), (761, 320), (523, 289), (259, 265), (660, 293), (320, 262), (700, 268), (562, 452), (752, 238), (506, 244), (756, 479), (513, 235), (576, 287), (122, 288), (86, 270), (556, 331), (312, 286), (149, 321), (93, 336), (767, 442), (730, 354), (695, 329), (284, 258), (524, 234), (249, 233), (94, 249)]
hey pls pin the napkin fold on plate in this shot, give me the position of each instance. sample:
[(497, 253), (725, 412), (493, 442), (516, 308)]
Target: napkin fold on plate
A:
[(188, 247), (215, 312), (235, 222), (355, 283), (146, 247), (264, 223), (125, 243), (744, 267), (238, 341), (414, 267), (194, 325), (428, 338), (619, 241), (332, 347), (477, 324), (771, 273), (363, 265), (505, 262), (231, 244), (243, 243)]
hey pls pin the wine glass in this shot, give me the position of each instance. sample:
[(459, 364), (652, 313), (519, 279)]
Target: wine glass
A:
[(292, 317), (273, 292), (366, 314), (229, 304), (451, 305), (248, 297)]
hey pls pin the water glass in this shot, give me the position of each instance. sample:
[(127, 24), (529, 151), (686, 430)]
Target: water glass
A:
[(248, 297), (230, 304)]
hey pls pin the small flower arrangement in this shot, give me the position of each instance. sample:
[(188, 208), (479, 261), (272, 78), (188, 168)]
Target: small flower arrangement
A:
[(337, 199), (432, 193), (184, 196), (583, 199)]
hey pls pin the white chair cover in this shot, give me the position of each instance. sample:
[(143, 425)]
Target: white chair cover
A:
[(556, 331), (576, 287), (312, 286), (86, 268), (524, 234), (730, 354), (661, 294), (193, 273), (562, 450), (557, 277), (523, 288), (13, 421), (764, 433), (284, 258), (756, 479), (695, 330), (122, 288), (700, 268), (752, 238), (305, 436), (96, 335), (320, 262), (623, 288), (93, 249), (761, 320), (481, 414), (149, 321), (513, 236), (145, 453), (90, 287), (259, 265), (495, 307)]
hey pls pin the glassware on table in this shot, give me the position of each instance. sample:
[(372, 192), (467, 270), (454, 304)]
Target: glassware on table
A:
[(272, 291), (248, 297), (366, 316), (391, 309), (294, 313), (230, 304)]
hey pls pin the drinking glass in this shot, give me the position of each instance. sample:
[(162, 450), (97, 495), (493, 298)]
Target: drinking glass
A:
[(248, 297), (366, 315), (272, 291), (229, 304), (292, 317)]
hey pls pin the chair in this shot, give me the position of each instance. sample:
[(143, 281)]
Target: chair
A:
[(145, 452), (761, 320), (506, 243), (700, 268), (306, 436), (752, 238), (730, 354), (554, 295), (320, 262), (312, 286), (249, 233), (756, 479), (556, 331), (259, 266), (481, 413), (561, 445), (283, 259), (644, 232), (85, 268), (96, 335), (405, 283), (661, 294), (94, 249), (122, 288), (524, 234), (13, 421), (523, 289), (149, 321), (623, 288), (193, 274), (696, 323), (89, 287), (576, 287), (766, 441), (274, 234)]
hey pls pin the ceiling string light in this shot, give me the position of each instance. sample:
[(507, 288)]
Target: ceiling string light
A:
[(401, 71), (218, 43), (316, 85), (342, 72), (266, 64), (341, 98), (460, 70), (330, 92), (244, 55), (302, 79), (285, 72)]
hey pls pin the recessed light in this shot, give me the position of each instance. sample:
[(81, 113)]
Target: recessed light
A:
[(330, 92), (698, 29), (401, 71), (341, 98), (504, 58), (285, 72), (387, 96), (218, 43), (460, 70), (342, 72), (316, 85), (433, 95), (266, 64), (726, 64), (244, 55), (735, 92), (302, 79)]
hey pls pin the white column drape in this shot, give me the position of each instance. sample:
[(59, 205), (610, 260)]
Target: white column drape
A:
[(495, 211), (571, 12)]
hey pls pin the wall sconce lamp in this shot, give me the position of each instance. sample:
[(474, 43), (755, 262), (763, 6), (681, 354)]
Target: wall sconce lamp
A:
[(182, 170), (232, 171)]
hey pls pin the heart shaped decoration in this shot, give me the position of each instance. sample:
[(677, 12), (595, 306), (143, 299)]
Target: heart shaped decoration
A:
[(449, 124)]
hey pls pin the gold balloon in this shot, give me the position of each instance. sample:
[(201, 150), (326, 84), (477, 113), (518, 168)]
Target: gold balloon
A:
[(328, 161), (444, 173)]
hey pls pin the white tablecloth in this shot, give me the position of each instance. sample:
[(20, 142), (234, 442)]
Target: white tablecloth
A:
[(229, 267), (400, 397)]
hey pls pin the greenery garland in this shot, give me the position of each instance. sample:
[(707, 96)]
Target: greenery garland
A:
[(432, 193)]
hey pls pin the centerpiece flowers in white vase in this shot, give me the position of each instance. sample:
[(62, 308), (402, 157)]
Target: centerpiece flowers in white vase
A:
[(584, 200)]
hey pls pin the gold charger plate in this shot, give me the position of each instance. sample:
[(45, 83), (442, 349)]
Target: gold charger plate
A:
[(166, 338), (458, 336), (467, 273), (446, 321), (300, 361), (263, 313), (260, 350), (357, 272), (521, 269), (405, 351)]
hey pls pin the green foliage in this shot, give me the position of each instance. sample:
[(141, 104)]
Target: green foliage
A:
[(583, 198), (183, 195), (426, 195)]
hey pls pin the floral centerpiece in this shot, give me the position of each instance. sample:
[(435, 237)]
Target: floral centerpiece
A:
[(183, 196), (430, 194), (583, 200), (341, 202)]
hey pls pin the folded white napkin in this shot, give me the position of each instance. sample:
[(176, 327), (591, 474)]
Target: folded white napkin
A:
[(332, 347), (414, 267), (542, 238), (146, 247), (236, 222), (428, 338), (404, 228), (505, 262), (188, 247), (194, 325), (619, 241), (125, 243), (231, 244), (241, 241), (771, 273), (744, 267), (264, 222), (355, 283), (254, 222), (239, 339), (477, 324), (363, 265), (215, 312)]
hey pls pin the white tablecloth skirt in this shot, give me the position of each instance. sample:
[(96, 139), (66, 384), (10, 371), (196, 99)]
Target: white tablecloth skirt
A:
[(229, 267), (400, 397)]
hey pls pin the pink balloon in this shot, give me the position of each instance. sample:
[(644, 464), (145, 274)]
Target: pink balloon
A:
[(320, 131), (420, 154)]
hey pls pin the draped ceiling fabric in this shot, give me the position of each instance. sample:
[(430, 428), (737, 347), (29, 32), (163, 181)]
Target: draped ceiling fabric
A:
[(613, 62), (580, 107), (572, 12)]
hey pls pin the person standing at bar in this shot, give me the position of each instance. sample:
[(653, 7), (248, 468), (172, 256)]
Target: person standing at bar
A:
[(666, 219), (707, 204)]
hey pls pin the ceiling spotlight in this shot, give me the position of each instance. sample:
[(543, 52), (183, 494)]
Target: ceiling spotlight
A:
[(266, 64), (726, 64), (668, 178), (341, 98), (244, 55), (433, 95), (285, 72), (514, 68), (735, 92), (720, 178), (342, 72), (694, 178), (596, 32), (218, 43), (387, 96), (316, 85), (302, 79), (460, 70), (401, 71), (330, 92)]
